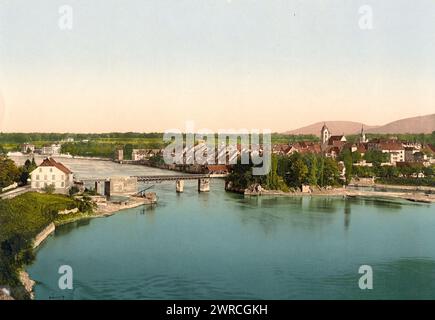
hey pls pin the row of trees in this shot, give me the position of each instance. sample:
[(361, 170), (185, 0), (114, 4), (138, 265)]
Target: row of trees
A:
[(18, 138), (10, 173), (411, 137), (290, 173), (105, 149)]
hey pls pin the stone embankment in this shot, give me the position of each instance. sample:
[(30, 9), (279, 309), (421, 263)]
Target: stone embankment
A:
[(43, 235)]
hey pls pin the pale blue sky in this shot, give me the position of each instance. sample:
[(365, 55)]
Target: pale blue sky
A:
[(151, 65)]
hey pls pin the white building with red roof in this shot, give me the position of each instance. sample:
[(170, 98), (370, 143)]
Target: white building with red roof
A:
[(51, 172)]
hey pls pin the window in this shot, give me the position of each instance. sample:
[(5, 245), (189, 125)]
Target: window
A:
[(51, 170), (37, 184), (62, 184), (40, 169), (37, 177), (53, 177)]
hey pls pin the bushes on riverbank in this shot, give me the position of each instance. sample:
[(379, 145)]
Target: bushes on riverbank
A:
[(21, 219), (427, 182)]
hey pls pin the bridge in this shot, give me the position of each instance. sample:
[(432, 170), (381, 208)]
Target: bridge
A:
[(119, 185), (172, 177)]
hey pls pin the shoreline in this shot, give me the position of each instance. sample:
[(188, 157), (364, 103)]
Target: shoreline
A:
[(394, 186), (27, 282), (344, 192)]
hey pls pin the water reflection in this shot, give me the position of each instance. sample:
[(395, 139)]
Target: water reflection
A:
[(67, 228), (347, 212)]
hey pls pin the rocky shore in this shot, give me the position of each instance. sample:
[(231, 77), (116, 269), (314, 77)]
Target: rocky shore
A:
[(343, 192)]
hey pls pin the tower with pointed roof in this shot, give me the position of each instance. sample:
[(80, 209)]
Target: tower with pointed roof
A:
[(362, 137), (324, 134)]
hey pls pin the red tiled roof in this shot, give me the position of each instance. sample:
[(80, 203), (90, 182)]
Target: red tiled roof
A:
[(50, 162), (390, 146), (361, 148), (217, 168)]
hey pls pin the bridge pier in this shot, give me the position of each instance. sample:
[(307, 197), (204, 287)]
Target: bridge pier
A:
[(179, 186), (203, 185)]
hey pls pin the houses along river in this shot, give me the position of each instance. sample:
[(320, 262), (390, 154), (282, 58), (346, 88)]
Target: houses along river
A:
[(221, 245)]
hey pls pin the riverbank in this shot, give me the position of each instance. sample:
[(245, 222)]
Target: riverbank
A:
[(394, 186), (37, 224), (108, 209), (102, 211), (344, 192)]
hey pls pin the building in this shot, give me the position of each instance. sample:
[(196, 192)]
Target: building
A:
[(217, 169), (144, 154), (119, 155), (362, 137), (395, 149), (51, 149), (325, 134), (27, 148), (51, 172), (139, 154), (331, 145)]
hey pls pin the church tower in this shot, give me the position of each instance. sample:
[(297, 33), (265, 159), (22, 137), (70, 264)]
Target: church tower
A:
[(362, 138), (324, 134)]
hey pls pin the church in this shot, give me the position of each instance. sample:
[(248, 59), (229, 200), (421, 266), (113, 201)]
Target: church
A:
[(332, 145)]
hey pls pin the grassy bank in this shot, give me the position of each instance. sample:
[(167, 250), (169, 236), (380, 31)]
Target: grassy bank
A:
[(21, 219)]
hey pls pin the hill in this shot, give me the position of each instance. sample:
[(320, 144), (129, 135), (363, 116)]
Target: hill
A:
[(422, 124), (336, 127)]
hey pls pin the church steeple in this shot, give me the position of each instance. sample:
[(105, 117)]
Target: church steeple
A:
[(324, 134), (362, 137)]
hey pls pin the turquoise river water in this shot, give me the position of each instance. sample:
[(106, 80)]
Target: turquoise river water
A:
[(221, 245)]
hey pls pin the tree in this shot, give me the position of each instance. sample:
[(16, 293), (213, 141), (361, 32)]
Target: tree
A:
[(25, 170), (73, 190), (9, 173), (428, 171), (128, 149), (50, 188), (348, 164), (313, 168), (298, 171), (272, 182), (356, 156), (330, 172), (376, 157)]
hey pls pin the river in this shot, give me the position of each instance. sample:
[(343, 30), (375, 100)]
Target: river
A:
[(221, 245)]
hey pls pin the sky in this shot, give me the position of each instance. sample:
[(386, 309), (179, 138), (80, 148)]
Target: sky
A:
[(152, 65)]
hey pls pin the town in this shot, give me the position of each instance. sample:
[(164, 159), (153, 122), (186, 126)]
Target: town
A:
[(329, 165), (362, 161)]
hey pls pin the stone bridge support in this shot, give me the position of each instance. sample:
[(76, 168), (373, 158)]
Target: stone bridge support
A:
[(203, 185), (179, 186)]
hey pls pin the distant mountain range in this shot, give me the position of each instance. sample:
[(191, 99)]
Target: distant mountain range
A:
[(422, 124)]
